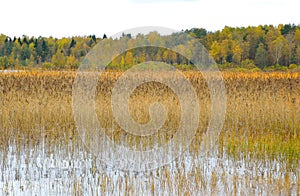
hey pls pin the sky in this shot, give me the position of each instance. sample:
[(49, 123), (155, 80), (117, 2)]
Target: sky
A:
[(66, 18)]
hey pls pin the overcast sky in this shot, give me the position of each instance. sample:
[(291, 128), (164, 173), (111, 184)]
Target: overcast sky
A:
[(60, 18)]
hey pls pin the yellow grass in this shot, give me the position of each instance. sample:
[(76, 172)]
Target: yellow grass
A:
[(262, 108), (262, 116)]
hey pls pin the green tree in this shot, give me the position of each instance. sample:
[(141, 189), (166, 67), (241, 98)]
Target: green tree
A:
[(25, 53), (260, 56), (73, 43), (8, 47)]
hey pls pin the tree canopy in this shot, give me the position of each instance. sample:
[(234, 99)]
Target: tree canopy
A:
[(258, 46)]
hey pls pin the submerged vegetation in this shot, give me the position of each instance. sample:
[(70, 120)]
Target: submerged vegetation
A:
[(257, 152)]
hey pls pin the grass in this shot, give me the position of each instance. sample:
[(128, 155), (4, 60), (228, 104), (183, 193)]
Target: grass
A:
[(261, 124)]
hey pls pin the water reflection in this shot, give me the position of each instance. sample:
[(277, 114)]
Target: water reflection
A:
[(69, 171)]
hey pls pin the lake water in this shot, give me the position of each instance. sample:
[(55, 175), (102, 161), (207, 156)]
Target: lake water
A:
[(73, 171)]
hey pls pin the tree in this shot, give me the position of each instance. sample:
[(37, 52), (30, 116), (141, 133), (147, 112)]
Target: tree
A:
[(297, 37), (4, 62), (25, 53), (19, 41), (59, 59), (165, 56), (41, 49), (298, 55), (237, 54), (8, 47), (287, 28), (255, 36), (2, 39), (94, 38), (129, 58), (154, 38), (260, 56), (70, 61), (45, 54), (297, 45), (122, 63), (180, 49), (24, 40), (64, 45), (277, 48), (73, 43), (2, 42), (226, 54), (289, 49), (215, 51), (263, 45)]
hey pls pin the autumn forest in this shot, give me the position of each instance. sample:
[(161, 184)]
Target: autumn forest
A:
[(252, 48)]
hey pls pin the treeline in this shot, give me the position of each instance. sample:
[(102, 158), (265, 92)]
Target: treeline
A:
[(47, 52), (264, 47)]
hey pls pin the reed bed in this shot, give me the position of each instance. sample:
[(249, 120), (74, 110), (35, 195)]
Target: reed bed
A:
[(257, 152)]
